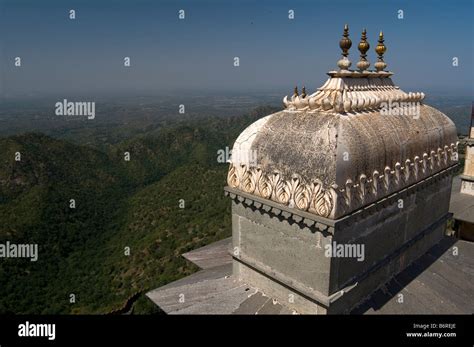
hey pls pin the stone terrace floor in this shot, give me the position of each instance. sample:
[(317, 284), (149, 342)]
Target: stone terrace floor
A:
[(439, 282)]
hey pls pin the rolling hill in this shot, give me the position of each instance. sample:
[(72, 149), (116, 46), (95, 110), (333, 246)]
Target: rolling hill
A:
[(134, 205)]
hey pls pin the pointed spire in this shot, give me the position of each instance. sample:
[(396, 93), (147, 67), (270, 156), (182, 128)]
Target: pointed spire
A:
[(345, 44), (303, 92), (364, 46), (295, 92), (380, 65)]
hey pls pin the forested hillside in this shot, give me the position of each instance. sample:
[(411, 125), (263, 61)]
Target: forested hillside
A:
[(119, 205)]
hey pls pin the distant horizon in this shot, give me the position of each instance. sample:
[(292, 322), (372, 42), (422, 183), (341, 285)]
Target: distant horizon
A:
[(456, 105), (177, 93)]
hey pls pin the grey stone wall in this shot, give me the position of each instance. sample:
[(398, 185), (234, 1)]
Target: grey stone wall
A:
[(287, 260)]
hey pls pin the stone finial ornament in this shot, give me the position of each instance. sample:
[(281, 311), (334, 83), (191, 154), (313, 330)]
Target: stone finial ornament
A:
[(364, 46), (354, 92), (380, 65), (303, 92), (345, 44)]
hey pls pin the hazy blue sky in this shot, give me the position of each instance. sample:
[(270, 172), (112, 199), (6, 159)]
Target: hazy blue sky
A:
[(60, 55)]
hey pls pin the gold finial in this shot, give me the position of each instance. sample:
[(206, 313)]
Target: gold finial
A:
[(364, 46), (345, 44), (295, 93), (303, 92), (380, 50)]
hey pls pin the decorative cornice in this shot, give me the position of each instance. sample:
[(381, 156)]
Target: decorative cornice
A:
[(362, 92), (325, 225), (334, 201)]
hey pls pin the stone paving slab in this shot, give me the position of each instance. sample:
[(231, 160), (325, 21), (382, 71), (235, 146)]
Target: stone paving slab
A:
[(437, 283), (214, 254)]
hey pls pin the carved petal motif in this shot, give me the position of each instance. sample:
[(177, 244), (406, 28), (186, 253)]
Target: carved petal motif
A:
[(265, 187), (232, 178), (315, 198), (249, 181), (303, 196)]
